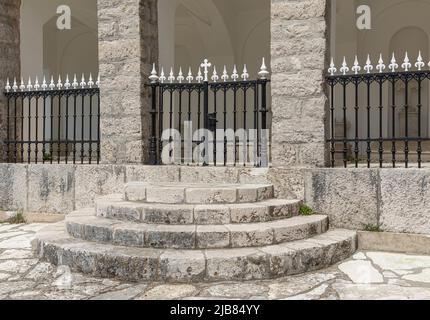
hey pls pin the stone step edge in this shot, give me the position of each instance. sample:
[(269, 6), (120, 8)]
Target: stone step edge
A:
[(197, 193), (84, 225), (186, 266), (182, 214)]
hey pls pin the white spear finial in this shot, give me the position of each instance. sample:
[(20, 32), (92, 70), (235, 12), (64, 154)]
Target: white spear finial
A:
[(52, 84), (235, 75), (83, 83), (67, 83), (22, 86), (332, 70), (15, 85), (393, 65), (44, 84), (368, 67), (224, 76), (190, 77), (75, 83), (381, 66), (245, 74), (180, 75), (356, 68), (419, 64), (206, 65), (36, 84), (215, 76), (7, 87), (344, 69), (263, 70), (98, 81), (59, 84), (199, 77), (90, 81), (162, 76), (171, 76), (406, 64), (154, 76), (29, 85)]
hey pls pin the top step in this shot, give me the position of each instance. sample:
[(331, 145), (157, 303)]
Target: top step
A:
[(175, 193)]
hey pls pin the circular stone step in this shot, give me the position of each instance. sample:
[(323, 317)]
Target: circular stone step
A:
[(54, 245), (174, 193), (84, 225), (183, 214)]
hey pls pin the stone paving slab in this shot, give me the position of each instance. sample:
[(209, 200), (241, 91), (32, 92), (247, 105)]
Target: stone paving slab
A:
[(23, 277)]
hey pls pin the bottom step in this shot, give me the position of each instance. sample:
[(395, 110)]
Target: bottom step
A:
[(54, 245)]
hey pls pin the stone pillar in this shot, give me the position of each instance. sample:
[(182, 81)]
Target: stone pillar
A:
[(128, 45), (9, 58), (299, 103)]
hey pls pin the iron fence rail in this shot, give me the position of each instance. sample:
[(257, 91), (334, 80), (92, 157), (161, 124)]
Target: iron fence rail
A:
[(378, 104), (56, 125)]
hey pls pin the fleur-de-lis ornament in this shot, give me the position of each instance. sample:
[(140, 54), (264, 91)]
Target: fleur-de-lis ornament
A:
[(356, 68), (380, 66), (406, 64), (344, 69), (368, 67), (420, 63), (393, 66), (332, 70)]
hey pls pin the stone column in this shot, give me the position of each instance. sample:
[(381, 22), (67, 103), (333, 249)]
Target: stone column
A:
[(299, 104), (9, 58), (128, 45)]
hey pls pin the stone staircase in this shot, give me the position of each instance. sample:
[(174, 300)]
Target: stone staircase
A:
[(194, 232)]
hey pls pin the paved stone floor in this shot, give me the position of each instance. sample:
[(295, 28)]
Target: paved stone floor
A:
[(368, 275)]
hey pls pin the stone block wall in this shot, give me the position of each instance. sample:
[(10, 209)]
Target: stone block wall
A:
[(128, 45), (299, 104), (9, 57), (393, 200)]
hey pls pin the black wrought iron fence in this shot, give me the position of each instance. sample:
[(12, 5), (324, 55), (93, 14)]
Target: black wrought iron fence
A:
[(53, 123), (200, 122), (379, 116)]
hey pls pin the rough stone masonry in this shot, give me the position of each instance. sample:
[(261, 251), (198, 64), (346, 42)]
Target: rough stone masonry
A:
[(299, 49), (128, 45), (9, 57)]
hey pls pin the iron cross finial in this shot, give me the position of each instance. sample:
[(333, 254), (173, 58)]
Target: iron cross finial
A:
[(206, 65)]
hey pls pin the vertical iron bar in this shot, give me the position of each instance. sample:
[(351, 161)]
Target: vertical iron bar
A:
[(369, 150), (235, 121), (332, 120), (22, 129), (180, 120), (74, 125), (29, 129), (160, 123), (8, 131), (215, 116), (44, 129), (393, 107), (15, 137), (153, 140), (406, 122), (51, 143), (345, 132), (245, 112), (381, 137), (171, 123), (264, 150), (419, 106), (256, 126), (206, 120), (356, 147), (98, 125), (90, 136), (225, 126), (83, 127), (36, 151), (60, 96), (67, 127)]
